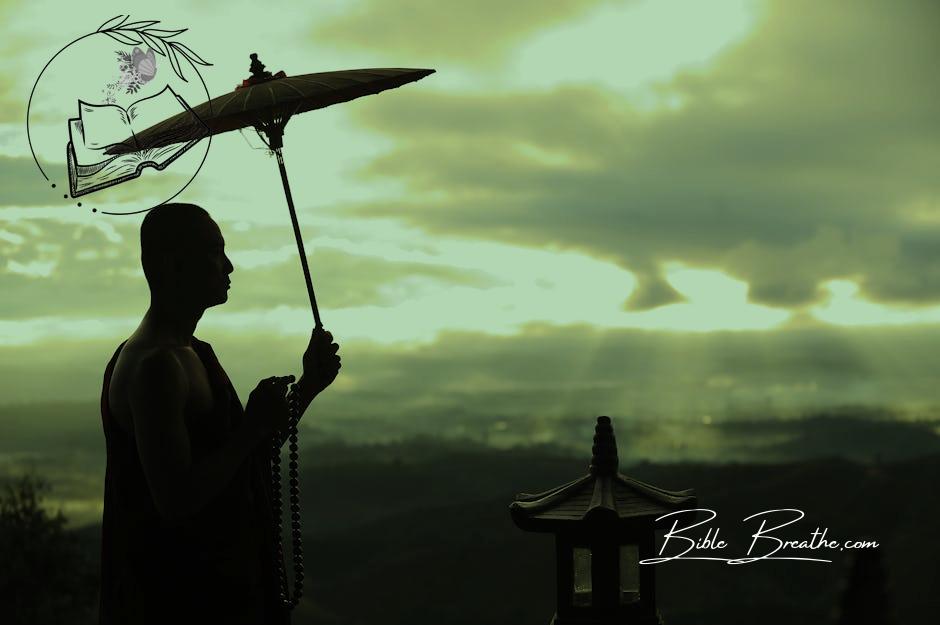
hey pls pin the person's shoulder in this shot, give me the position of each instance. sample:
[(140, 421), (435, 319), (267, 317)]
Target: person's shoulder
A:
[(160, 366), (150, 361), (159, 357)]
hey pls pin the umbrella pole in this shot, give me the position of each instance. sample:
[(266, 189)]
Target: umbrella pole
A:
[(297, 235)]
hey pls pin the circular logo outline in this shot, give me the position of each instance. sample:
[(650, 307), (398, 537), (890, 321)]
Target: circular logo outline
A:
[(116, 31)]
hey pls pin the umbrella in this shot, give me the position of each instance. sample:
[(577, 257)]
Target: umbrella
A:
[(267, 102)]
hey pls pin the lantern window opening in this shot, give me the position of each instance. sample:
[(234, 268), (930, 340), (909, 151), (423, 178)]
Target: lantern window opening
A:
[(582, 586), (629, 574)]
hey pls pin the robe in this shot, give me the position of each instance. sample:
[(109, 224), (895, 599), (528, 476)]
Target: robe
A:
[(216, 566)]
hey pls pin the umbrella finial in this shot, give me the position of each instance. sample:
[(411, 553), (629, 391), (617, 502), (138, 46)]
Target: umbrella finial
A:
[(258, 73), (257, 67)]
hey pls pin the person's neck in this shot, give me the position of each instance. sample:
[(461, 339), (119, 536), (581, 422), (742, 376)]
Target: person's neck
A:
[(172, 322)]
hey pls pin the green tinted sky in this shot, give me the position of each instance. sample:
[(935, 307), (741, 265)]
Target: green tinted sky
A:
[(643, 206)]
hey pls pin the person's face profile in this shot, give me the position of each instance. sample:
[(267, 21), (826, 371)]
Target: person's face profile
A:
[(202, 267)]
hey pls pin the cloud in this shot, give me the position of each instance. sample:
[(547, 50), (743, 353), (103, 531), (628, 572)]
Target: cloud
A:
[(11, 108), (21, 184), (806, 153), (471, 33), (86, 270), (349, 280), (548, 372), (14, 83)]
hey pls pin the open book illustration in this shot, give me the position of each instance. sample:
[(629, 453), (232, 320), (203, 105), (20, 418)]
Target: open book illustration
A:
[(101, 130)]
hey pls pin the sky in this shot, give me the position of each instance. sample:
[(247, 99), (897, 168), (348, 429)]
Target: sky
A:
[(641, 208)]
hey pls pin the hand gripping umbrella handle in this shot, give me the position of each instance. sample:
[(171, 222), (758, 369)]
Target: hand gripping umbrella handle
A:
[(298, 237)]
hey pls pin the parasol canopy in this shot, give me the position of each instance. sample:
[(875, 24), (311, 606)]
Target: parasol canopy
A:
[(266, 102), (273, 101)]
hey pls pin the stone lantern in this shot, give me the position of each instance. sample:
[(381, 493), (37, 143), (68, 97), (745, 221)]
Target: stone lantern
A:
[(604, 524)]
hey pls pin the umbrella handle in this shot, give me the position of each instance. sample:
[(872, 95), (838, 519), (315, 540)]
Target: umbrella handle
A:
[(298, 236)]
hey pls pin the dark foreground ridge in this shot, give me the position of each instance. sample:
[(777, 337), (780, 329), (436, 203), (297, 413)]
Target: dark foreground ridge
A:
[(423, 531)]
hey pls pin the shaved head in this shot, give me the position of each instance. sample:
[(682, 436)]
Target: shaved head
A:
[(167, 229)]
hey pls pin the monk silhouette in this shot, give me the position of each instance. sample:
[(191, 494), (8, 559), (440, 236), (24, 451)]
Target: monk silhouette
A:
[(187, 533)]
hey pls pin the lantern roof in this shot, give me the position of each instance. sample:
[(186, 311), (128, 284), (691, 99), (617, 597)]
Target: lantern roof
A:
[(604, 495)]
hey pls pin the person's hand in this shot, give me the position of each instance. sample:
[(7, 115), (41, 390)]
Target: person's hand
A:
[(266, 411), (321, 361)]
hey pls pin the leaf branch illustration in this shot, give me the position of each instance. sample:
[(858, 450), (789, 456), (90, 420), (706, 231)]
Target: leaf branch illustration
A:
[(157, 39)]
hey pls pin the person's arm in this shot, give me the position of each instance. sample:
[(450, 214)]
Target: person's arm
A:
[(179, 487), (321, 363)]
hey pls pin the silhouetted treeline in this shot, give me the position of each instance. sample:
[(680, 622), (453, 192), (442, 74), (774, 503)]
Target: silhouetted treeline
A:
[(47, 574)]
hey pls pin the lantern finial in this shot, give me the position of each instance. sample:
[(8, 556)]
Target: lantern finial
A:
[(604, 460)]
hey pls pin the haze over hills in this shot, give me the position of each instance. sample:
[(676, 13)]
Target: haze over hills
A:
[(422, 530), (64, 441), (419, 520)]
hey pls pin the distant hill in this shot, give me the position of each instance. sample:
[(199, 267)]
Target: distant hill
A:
[(419, 532), (64, 442)]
